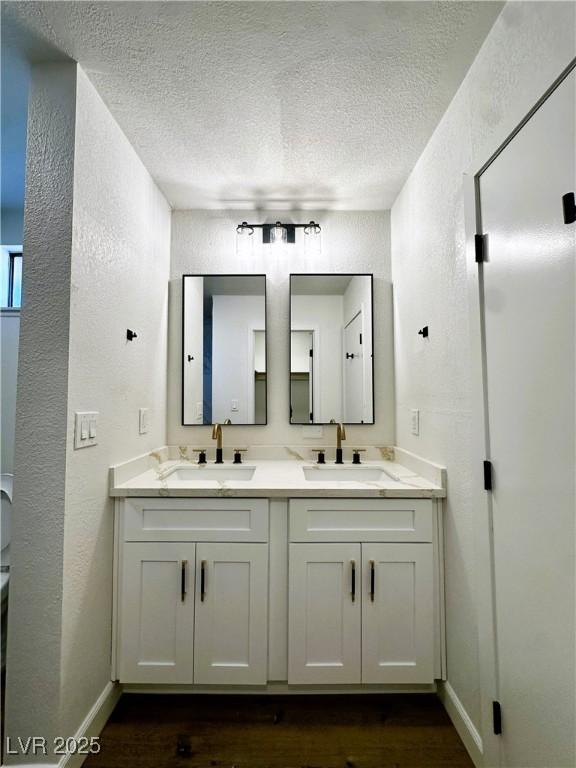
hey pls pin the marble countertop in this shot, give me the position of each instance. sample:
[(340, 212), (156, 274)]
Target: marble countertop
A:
[(279, 475)]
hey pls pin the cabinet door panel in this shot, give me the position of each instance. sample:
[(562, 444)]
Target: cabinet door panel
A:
[(231, 628), (398, 619), (324, 620), (157, 613)]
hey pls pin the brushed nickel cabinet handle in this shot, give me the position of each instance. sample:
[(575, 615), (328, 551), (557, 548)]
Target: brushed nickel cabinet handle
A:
[(372, 580), (183, 569), (202, 580), (353, 590)]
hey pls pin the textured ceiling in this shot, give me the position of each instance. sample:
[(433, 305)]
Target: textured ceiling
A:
[(268, 104)]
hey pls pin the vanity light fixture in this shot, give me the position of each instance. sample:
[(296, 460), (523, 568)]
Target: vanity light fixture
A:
[(278, 233)]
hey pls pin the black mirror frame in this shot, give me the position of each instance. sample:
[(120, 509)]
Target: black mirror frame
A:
[(330, 274), (183, 345)]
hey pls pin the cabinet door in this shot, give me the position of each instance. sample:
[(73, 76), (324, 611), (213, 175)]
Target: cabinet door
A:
[(157, 613), (398, 613), (231, 626), (324, 613)]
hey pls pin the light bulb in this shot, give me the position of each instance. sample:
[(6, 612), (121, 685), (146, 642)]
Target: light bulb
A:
[(278, 234)]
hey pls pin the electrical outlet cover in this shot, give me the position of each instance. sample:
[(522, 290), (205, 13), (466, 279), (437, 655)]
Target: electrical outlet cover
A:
[(143, 414)]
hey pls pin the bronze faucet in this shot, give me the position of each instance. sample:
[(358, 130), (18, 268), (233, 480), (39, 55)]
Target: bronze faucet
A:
[(340, 435), (217, 435)]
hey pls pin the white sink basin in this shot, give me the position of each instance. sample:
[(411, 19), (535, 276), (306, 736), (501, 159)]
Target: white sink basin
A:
[(322, 474), (218, 474)]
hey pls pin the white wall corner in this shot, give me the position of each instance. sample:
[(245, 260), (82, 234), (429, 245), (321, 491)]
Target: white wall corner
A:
[(462, 722), (94, 722)]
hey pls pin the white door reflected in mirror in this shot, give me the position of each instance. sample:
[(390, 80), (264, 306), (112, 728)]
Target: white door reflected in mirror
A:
[(301, 376), (331, 351)]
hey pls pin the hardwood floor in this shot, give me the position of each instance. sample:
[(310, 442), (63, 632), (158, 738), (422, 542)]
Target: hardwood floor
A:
[(223, 731)]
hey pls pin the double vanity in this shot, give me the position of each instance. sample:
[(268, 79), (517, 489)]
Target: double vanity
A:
[(278, 572), (278, 568)]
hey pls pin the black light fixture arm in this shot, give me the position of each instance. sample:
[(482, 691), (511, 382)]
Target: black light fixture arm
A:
[(246, 225)]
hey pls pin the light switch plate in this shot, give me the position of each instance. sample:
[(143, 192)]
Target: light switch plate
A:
[(85, 429), (415, 421), (143, 419)]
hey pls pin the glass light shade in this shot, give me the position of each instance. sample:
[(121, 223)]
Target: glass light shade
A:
[(278, 234), (312, 239), (244, 239)]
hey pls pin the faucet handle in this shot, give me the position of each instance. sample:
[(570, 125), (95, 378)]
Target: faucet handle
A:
[(238, 455), (321, 455), (201, 455), (356, 454)]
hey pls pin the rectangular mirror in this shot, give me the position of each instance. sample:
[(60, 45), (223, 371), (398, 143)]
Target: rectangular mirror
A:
[(224, 349), (331, 372)]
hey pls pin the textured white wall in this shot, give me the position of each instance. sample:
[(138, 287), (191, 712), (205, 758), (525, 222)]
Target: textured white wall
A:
[(35, 607), (117, 254), (120, 271), (204, 242), (526, 50)]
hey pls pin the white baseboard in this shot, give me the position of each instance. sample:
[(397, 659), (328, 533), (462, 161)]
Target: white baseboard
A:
[(94, 722), (462, 722)]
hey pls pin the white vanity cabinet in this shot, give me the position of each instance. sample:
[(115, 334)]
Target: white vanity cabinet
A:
[(361, 611), (315, 592), (192, 593)]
